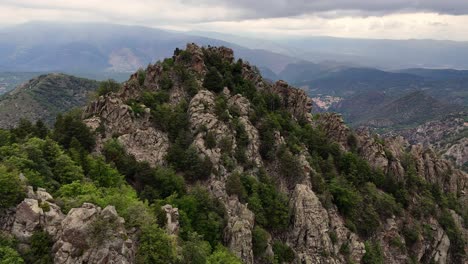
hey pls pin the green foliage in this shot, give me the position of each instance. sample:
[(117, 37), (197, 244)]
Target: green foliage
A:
[(234, 186), (345, 196), (25, 129), (102, 173), (11, 188), (9, 256), (283, 253), (195, 250), (162, 183), (154, 99), (213, 80), (352, 142), (141, 75), (188, 160), (155, 246), (201, 213), (411, 234), (221, 108), (290, 166), (374, 254), (165, 82), (108, 86), (210, 140), (259, 241), (70, 126), (222, 256), (66, 170), (41, 248), (267, 202), (457, 242)]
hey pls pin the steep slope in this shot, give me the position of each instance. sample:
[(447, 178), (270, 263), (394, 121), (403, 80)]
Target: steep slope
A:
[(43, 98), (310, 188)]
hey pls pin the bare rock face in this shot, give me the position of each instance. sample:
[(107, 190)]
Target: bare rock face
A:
[(458, 152), (439, 171), (372, 151), (93, 235), (202, 120), (149, 145), (312, 227), (172, 216), (238, 232), (111, 117), (335, 128), (87, 234), (295, 100), (36, 212)]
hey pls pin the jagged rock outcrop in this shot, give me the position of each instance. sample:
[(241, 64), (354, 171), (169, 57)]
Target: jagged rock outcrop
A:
[(312, 228), (87, 234), (335, 128), (172, 216), (446, 136), (295, 100), (439, 171), (238, 232)]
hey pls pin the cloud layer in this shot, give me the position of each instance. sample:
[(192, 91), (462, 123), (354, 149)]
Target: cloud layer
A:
[(439, 19)]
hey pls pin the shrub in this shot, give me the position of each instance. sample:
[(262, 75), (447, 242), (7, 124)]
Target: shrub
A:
[(165, 82), (41, 248), (259, 240), (141, 75), (195, 250), (11, 188), (213, 80), (374, 254), (201, 213), (234, 186), (108, 86), (210, 140), (457, 242), (222, 256), (71, 126), (155, 246), (411, 234), (283, 253), (9, 256)]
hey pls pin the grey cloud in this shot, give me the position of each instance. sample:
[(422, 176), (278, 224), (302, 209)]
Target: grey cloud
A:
[(285, 8)]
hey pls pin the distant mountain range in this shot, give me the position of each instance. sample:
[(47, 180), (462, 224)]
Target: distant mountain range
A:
[(43, 98), (342, 77), (105, 48)]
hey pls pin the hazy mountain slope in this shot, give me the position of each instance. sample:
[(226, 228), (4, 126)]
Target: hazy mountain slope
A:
[(389, 54), (43, 98), (411, 109), (96, 47), (9, 80)]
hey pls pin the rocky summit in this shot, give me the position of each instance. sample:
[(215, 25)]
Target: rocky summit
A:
[(233, 168)]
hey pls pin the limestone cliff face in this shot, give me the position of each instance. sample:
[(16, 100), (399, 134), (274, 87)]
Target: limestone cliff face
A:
[(72, 234), (312, 229), (317, 233)]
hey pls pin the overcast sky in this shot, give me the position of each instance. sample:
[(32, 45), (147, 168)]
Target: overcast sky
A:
[(391, 19)]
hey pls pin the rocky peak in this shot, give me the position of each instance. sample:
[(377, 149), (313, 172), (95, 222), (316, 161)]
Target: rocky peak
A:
[(225, 126)]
